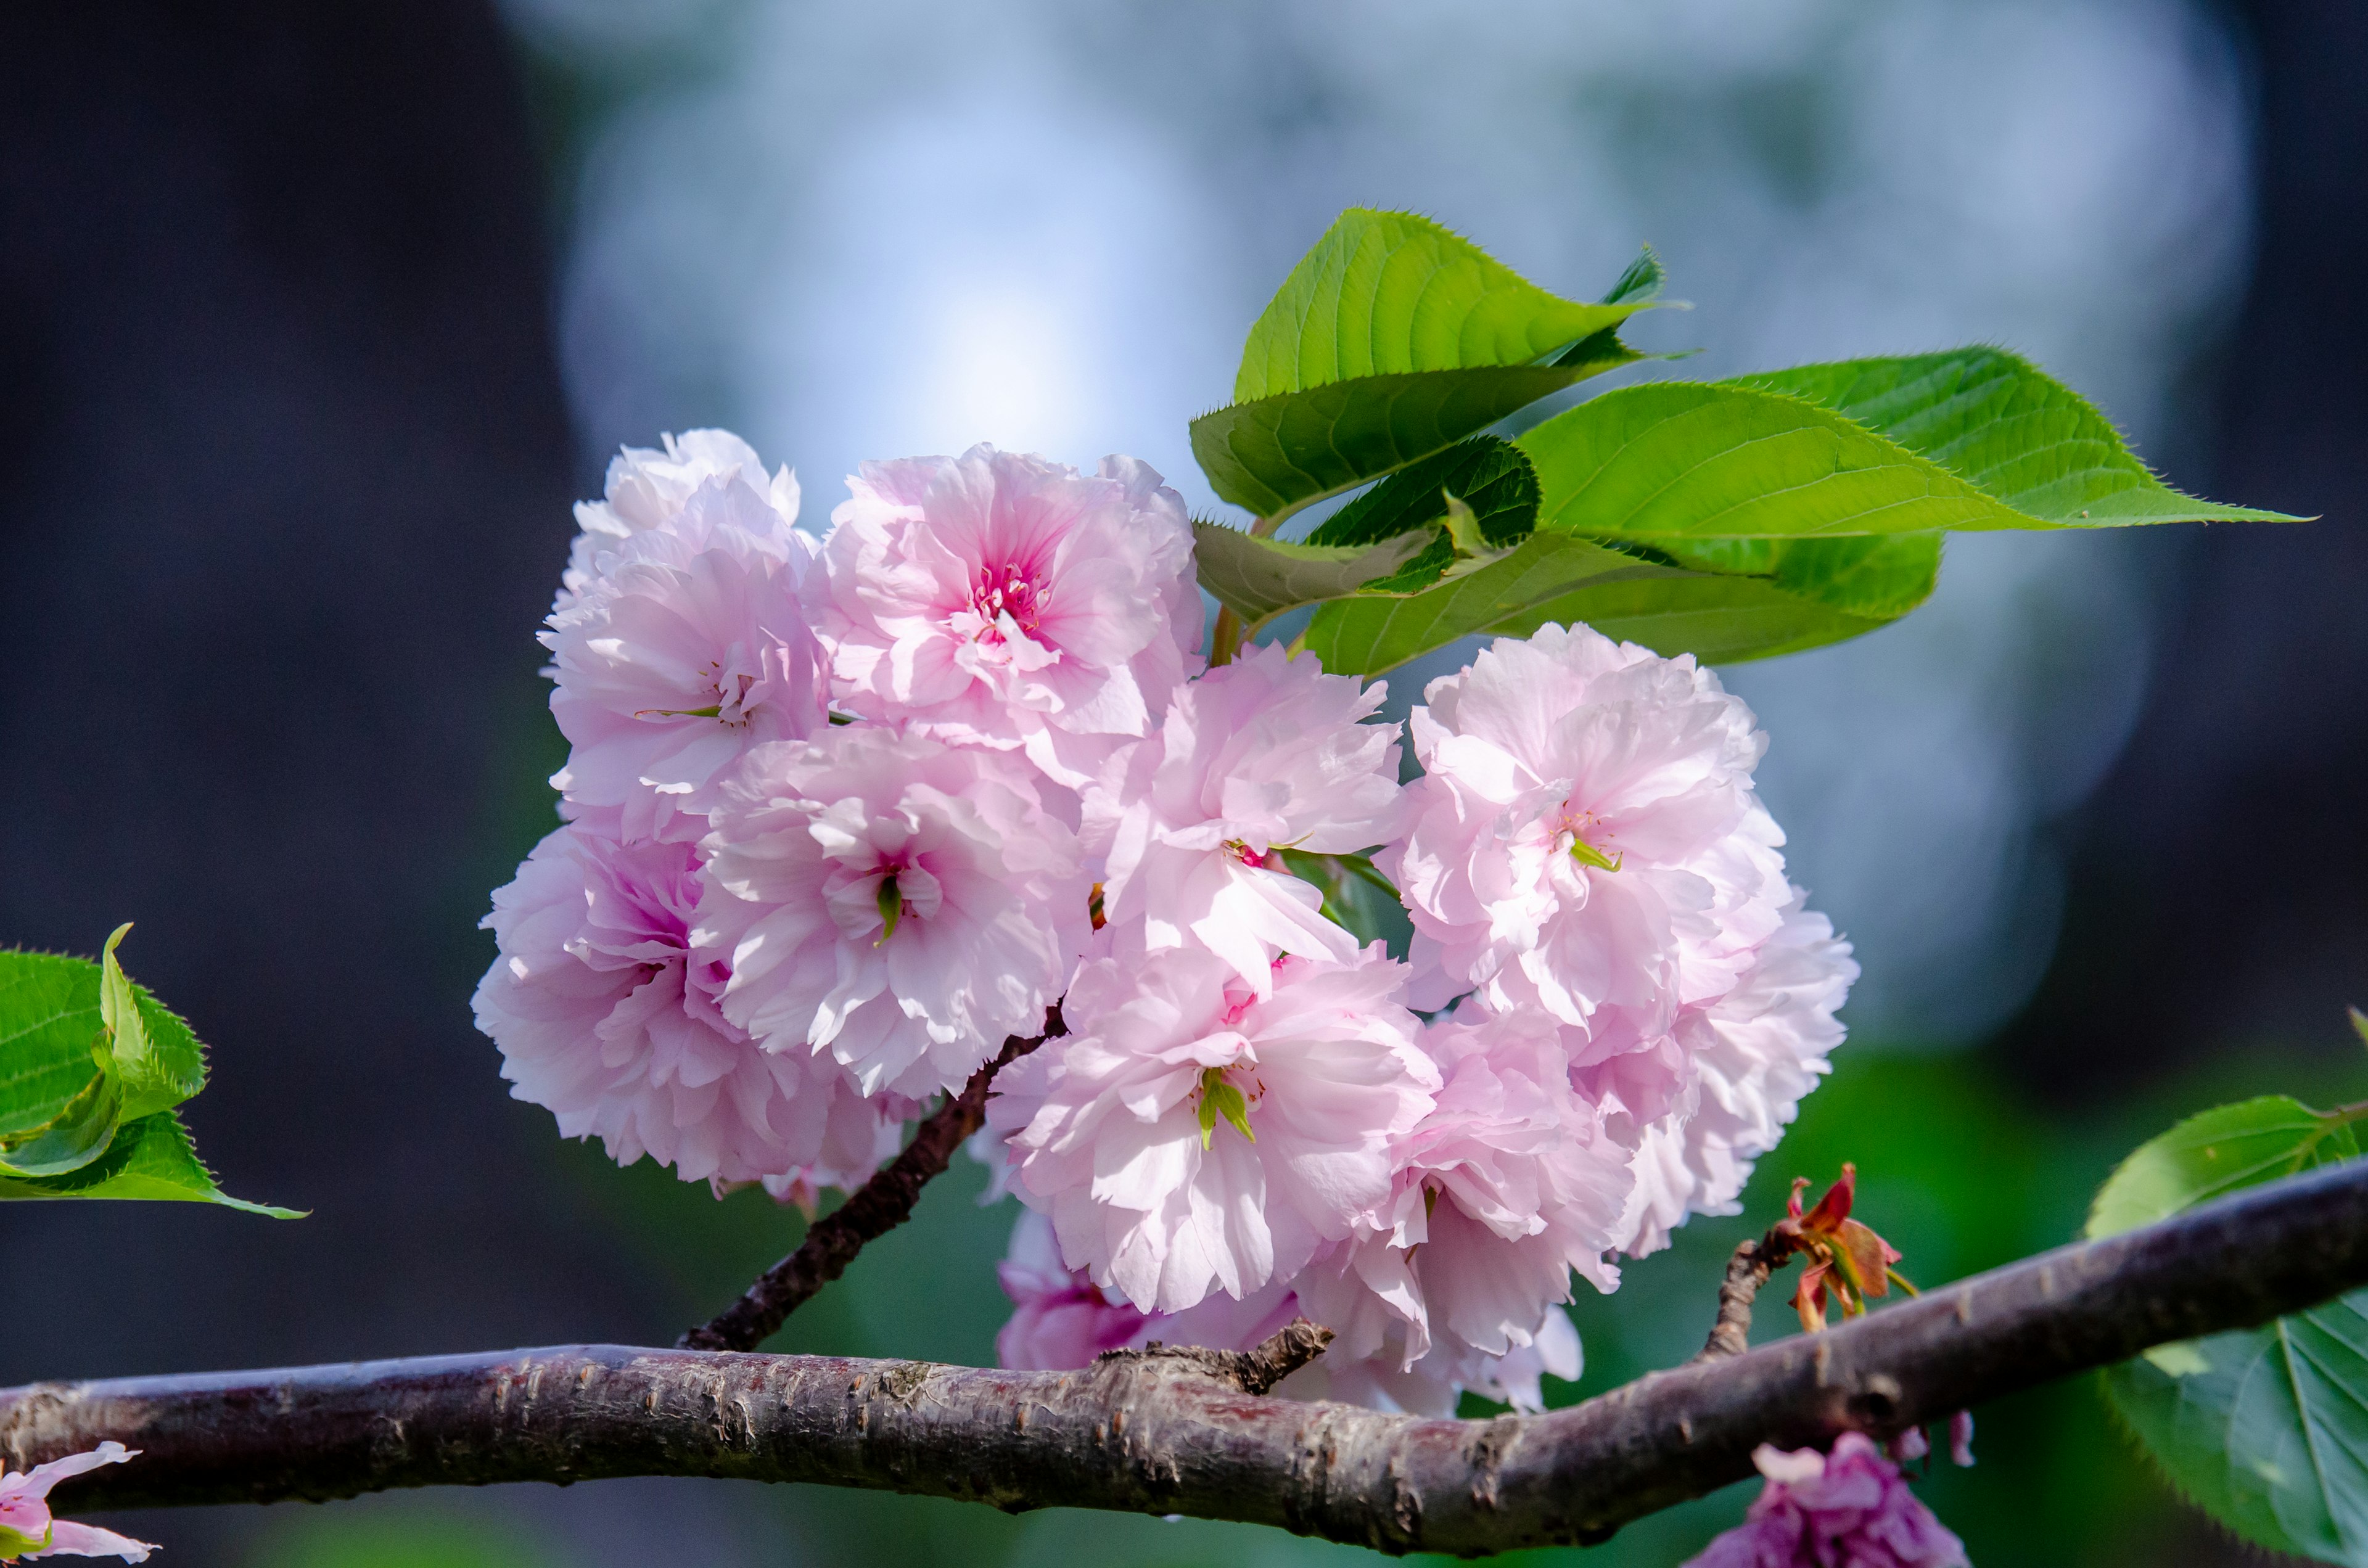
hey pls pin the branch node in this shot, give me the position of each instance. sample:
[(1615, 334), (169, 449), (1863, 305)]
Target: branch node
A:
[(1256, 1370)]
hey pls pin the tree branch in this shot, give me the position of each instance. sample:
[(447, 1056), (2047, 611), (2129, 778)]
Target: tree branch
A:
[(1177, 1433), (1746, 1271), (874, 1208)]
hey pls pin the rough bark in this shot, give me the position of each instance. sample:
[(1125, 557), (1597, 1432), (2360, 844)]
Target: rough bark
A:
[(1177, 1432), (1746, 1271), (873, 1209)]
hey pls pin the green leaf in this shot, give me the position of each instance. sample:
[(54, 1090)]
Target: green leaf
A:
[(1373, 632), (1390, 339), (1356, 897), (75, 1137), (1998, 421), (1280, 453), (152, 1159), (1687, 461), (1258, 578), (1641, 283), (1491, 478), (2267, 1428), (1383, 294), (155, 1057)]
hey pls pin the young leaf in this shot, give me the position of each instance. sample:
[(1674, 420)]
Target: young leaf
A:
[(2267, 1428), (1687, 461), (1382, 293), (1493, 477), (1390, 340), (1257, 578), (1996, 420), (1280, 453), (155, 1056), (1371, 632), (75, 1138), (1489, 478), (150, 1159)]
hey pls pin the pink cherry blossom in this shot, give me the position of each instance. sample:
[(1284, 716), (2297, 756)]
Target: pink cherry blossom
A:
[(1190, 1135), (1006, 599), (689, 646), (1503, 1188), (1059, 1318), (1752, 1053), (1266, 753), (1585, 840), (902, 904), (1850, 1510), (647, 489), (27, 1529), (604, 1017)]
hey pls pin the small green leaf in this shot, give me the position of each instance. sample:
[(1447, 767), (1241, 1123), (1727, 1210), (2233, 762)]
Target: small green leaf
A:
[(1279, 454), (1258, 578), (1219, 1097), (2360, 1024), (1641, 283), (76, 1136), (1356, 897), (150, 1159), (1382, 293), (1372, 632), (1392, 339), (1692, 461), (1490, 478), (1998, 421), (2267, 1428), (892, 907)]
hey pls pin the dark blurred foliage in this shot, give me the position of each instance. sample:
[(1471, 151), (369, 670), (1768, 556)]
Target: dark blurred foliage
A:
[(291, 488)]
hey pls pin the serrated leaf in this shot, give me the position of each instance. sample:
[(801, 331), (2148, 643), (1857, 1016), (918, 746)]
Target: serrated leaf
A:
[(1258, 578), (75, 1137), (1385, 293), (2267, 1428), (1696, 461), (1281, 453), (1493, 477), (1641, 282), (1371, 632), (1390, 339), (150, 1159), (1999, 422)]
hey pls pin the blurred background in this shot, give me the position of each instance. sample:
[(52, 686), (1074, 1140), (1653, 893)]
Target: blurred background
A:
[(314, 319)]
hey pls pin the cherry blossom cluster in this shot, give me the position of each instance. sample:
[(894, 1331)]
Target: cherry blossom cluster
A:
[(842, 816)]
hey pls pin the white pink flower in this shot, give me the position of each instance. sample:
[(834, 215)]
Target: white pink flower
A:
[(1060, 1319), (1191, 1136), (686, 647), (1754, 1053), (606, 1018), (1586, 839), (1005, 599), (28, 1529), (647, 489), (1263, 754), (1849, 1509), (904, 905), (1503, 1188)]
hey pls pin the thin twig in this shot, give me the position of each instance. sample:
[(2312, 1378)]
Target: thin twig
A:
[(1171, 1434), (873, 1209), (1746, 1270)]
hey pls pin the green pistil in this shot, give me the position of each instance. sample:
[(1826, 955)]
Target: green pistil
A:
[(1586, 854), (892, 905), (1218, 1098)]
